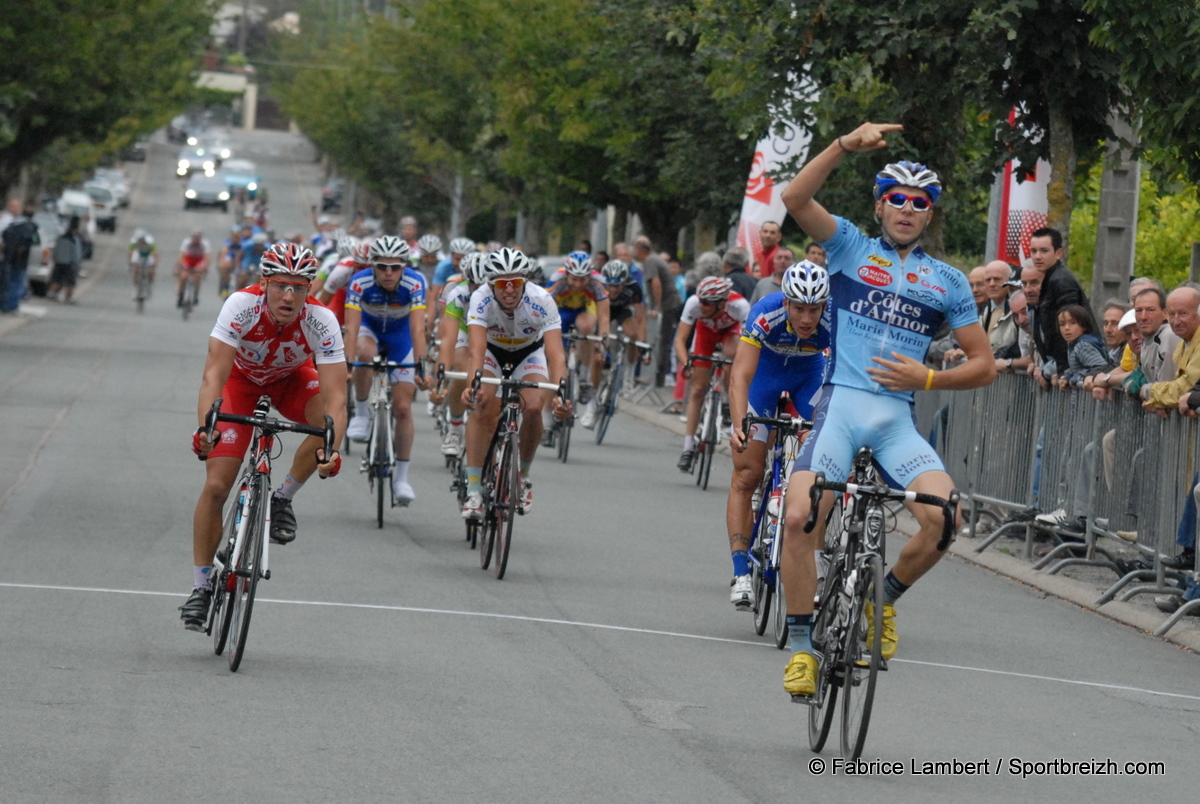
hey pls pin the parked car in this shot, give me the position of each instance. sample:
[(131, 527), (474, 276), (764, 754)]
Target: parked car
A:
[(41, 260), (104, 205), (179, 128), (241, 174), (115, 180), (206, 189), (194, 158), (331, 195)]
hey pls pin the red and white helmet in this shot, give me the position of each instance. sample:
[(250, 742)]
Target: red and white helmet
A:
[(714, 289), (290, 259), (362, 252)]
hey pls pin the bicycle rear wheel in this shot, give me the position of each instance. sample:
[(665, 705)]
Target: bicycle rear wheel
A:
[(245, 574), (827, 643), (763, 591), (486, 530), (509, 480), (861, 661), (608, 402), (779, 612)]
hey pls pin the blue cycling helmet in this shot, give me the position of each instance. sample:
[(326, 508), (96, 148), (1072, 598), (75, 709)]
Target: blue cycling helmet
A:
[(908, 174), (579, 256)]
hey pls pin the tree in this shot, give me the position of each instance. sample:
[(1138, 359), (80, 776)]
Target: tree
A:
[(80, 71)]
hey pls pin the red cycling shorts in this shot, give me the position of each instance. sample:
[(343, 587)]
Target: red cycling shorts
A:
[(705, 340), (290, 396), (191, 262)]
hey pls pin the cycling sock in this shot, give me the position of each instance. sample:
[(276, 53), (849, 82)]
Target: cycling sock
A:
[(289, 488), (800, 628), (474, 482), (689, 442), (892, 588), (741, 563), (525, 465), (456, 426), (200, 577), (401, 471), (361, 408)]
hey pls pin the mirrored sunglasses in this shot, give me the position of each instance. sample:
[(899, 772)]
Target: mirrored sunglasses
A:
[(898, 200)]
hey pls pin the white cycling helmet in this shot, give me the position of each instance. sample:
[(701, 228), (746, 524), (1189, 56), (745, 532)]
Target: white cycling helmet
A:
[(577, 267), (505, 262), (615, 272), (806, 283), (290, 259), (345, 245), (388, 247), (908, 174), (462, 245), (471, 266), (429, 244)]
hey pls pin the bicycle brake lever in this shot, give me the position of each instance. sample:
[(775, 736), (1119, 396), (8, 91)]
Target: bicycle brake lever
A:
[(948, 512), (814, 498)]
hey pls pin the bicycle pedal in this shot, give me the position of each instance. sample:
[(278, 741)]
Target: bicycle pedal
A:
[(807, 700)]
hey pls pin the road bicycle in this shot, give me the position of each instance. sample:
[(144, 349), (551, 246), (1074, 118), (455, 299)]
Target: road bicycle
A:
[(708, 431), (242, 559), (501, 478), (187, 299), (142, 265), (853, 561), (558, 435), (609, 392), (379, 456), (768, 503)]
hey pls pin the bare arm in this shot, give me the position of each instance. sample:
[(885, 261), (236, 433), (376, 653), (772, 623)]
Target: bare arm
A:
[(741, 373), (902, 373), (681, 340), (353, 324), (217, 366), (799, 195)]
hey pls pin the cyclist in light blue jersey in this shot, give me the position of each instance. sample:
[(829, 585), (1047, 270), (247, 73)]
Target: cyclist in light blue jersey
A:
[(782, 351), (889, 299)]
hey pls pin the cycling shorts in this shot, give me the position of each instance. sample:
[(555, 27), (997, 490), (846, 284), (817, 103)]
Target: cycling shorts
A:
[(705, 340), (193, 262), (766, 387), (619, 315), (516, 364), (847, 419), (392, 346), (569, 314), (290, 396)]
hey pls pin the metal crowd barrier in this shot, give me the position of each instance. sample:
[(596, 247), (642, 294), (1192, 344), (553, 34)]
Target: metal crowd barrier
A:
[(1123, 468)]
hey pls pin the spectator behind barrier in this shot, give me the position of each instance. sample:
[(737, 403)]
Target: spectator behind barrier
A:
[(1059, 287), (1085, 351)]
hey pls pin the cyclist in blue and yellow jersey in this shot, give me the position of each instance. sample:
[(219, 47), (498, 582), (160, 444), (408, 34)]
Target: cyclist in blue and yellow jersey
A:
[(385, 314), (782, 351), (889, 298), (513, 330), (583, 305)]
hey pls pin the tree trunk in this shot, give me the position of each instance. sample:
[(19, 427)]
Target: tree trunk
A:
[(1061, 192)]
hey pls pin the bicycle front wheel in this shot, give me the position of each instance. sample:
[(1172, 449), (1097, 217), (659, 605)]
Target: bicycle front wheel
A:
[(564, 437), (508, 479), (486, 531), (245, 574), (763, 591), (827, 643), (379, 451), (860, 660), (608, 403)]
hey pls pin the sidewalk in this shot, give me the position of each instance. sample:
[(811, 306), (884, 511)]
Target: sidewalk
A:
[(1079, 585)]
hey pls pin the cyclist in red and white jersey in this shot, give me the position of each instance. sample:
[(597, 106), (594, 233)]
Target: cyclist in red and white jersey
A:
[(270, 339), (354, 257), (194, 258), (716, 314)]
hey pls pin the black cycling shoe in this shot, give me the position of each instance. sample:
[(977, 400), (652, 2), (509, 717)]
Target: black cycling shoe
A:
[(283, 521), (685, 460), (194, 612)]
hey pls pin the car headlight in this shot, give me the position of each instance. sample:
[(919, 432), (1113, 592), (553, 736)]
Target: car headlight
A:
[(252, 186), (181, 171), (192, 140), (225, 153), (189, 194), (224, 196), (209, 164), (184, 164)]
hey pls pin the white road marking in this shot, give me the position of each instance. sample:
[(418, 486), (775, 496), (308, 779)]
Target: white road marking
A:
[(600, 626)]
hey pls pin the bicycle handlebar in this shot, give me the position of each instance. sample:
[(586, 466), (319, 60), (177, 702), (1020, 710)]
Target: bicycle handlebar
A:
[(949, 507), (621, 338), (269, 425), (783, 423), (375, 364), (714, 359)]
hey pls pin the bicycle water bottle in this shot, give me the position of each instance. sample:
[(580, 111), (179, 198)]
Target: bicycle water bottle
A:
[(774, 508), (240, 503)]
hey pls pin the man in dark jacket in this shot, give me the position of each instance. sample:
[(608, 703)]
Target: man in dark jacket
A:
[(1059, 288)]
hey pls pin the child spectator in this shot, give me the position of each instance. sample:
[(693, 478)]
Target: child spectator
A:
[(1086, 354)]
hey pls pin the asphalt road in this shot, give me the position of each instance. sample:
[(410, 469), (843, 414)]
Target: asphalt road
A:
[(384, 665)]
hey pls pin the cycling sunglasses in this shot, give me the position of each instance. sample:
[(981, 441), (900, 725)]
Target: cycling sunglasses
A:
[(898, 200), (386, 268), (508, 283)]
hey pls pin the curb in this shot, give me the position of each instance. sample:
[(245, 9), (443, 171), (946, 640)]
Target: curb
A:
[(1071, 590)]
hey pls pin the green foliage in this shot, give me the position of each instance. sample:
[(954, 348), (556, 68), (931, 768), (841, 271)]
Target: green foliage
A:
[(80, 71), (1168, 224)]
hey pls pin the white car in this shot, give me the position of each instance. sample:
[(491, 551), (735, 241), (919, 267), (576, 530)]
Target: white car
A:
[(104, 205), (77, 202), (116, 181)]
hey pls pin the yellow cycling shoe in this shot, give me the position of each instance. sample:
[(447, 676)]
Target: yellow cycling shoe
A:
[(800, 678), (887, 642)]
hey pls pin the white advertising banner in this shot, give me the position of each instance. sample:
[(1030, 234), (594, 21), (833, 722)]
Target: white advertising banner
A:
[(763, 201)]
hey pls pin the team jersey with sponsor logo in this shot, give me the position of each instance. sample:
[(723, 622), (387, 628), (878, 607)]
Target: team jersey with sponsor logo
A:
[(534, 316), (568, 298), (194, 248), (457, 297), (266, 352), (733, 313), (768, 328), (383, 310), (339, 275), (884, 304)]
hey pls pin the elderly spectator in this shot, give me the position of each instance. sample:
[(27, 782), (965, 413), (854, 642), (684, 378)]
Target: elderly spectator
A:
[(734, 264), (1059, 287), (1183, 317), (1101, 384), (978, 289), (997, 318), (769, 235), (1018, 355), (1110, 324), (1156, 362), (774, 283)]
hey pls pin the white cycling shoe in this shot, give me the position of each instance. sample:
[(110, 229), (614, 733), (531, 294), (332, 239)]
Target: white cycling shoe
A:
[(741, 593), (359, 428), (473, 508), (402, 492)]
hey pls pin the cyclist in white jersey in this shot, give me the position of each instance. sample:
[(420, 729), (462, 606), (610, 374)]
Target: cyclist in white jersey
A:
[(513, 330), (889, 299)]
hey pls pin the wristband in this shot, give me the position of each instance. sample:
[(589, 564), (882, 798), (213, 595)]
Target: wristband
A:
[(929, 381), (843, 147)]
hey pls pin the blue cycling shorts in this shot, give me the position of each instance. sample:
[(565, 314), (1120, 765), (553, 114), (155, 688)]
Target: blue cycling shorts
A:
[(847, 419), (765, 388)]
